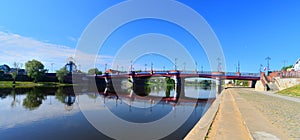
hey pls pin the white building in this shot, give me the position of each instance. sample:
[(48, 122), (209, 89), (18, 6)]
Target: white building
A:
[(296, 66)]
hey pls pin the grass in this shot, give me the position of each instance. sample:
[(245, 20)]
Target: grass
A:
[(21, 84), (292, 91)]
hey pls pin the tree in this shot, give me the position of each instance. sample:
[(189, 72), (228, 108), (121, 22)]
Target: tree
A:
[(33, 99), (94, 71), (60, 74), (35, 69), (169, 81), (14, 73), (286, 67)]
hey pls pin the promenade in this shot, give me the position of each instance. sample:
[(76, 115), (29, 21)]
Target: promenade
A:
[(245, 114), (261, 115)]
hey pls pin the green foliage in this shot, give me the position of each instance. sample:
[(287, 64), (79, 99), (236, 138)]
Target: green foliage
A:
[(1, 72), (94, 71), (169, 81), (35, 69), (60, 95), (244, 83), (60, 74), (14, 76), (286, 67), (33, 99), (292, 91)]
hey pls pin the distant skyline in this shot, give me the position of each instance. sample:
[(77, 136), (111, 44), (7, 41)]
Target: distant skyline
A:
[(248, 31)]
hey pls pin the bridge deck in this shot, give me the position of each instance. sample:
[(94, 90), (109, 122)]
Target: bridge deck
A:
[(229, 76)]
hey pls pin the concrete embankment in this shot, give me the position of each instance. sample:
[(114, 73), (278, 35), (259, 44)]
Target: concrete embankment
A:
[(247, 114), (200, 130)]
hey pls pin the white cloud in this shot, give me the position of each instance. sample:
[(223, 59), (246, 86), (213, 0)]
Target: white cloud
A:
[(17, 48), (73, 39)]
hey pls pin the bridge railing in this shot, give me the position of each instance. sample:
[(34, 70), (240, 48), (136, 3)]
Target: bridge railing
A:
[(290, 74), (251, 74), (242, 74), (203, 72)]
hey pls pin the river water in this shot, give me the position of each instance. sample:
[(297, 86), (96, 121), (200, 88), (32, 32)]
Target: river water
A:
[(56, 113)]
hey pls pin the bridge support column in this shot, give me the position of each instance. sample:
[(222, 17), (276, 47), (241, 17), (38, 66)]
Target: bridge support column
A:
[(253, 83), (179, 86), (218, 85)]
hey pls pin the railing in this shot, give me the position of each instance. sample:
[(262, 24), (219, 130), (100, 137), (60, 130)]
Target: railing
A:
[(290, 74), (243, 74), (190, 72)]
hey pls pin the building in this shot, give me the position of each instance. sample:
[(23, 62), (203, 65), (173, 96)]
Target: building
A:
[(20, 71), (296, 66), (5, 68)]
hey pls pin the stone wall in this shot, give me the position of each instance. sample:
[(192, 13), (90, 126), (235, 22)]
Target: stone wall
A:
[(284, 83)]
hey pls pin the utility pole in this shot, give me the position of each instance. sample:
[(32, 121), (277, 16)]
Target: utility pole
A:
[(105, 68), (131, 66), (239, 67), (284, 62), (175, 64), (202, 69), (196, 67), (151, 66), (79, 67), (260, 67), (52, 67), (219, 64), (268, 64), (145, 67), (184, 64)]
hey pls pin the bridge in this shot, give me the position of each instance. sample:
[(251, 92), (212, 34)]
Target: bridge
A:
[(178, 76), (187, 74)]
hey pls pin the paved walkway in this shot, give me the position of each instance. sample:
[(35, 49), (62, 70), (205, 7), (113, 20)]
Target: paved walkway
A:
[(247, 114), (228, 124), (269, 114)]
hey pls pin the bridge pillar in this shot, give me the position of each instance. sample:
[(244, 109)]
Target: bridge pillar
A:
[(253, 83), (179, 85), (218, 85)]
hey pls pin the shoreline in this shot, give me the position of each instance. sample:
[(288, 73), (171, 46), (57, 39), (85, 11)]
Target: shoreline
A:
[(22, 84)]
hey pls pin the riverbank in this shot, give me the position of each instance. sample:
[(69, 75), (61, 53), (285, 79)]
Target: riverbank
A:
[(262, 115), (293, 91), (20, 84)]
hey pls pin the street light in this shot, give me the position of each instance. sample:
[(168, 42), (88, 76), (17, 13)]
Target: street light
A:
[(52, 67), (219, 64), (268, 64), (175, 64), (151, 66)]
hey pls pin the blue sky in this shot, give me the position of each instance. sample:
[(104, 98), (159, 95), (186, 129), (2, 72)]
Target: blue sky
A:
[(248, 32)]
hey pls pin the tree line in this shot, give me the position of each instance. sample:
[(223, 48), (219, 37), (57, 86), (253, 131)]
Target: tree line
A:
[(36, 71)]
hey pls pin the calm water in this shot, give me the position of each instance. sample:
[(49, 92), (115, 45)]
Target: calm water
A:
[(54, 113)]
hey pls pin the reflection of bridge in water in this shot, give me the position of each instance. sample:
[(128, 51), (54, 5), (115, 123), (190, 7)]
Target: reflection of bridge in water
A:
[(139, 95)]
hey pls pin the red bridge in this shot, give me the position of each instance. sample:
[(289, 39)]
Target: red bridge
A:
[(210, 75)]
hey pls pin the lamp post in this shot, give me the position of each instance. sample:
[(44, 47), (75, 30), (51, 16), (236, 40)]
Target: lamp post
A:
[(52, 67), (268, 64), (219, 64), (175, 64), (151, 66)]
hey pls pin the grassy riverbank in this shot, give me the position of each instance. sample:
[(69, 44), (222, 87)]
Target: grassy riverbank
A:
[(19, 84), (292, 91)]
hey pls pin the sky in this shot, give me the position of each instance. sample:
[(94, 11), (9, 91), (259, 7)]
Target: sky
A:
[(248, 31)]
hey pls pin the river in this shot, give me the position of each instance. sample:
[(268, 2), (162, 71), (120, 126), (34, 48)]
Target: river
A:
[(59, 113)]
